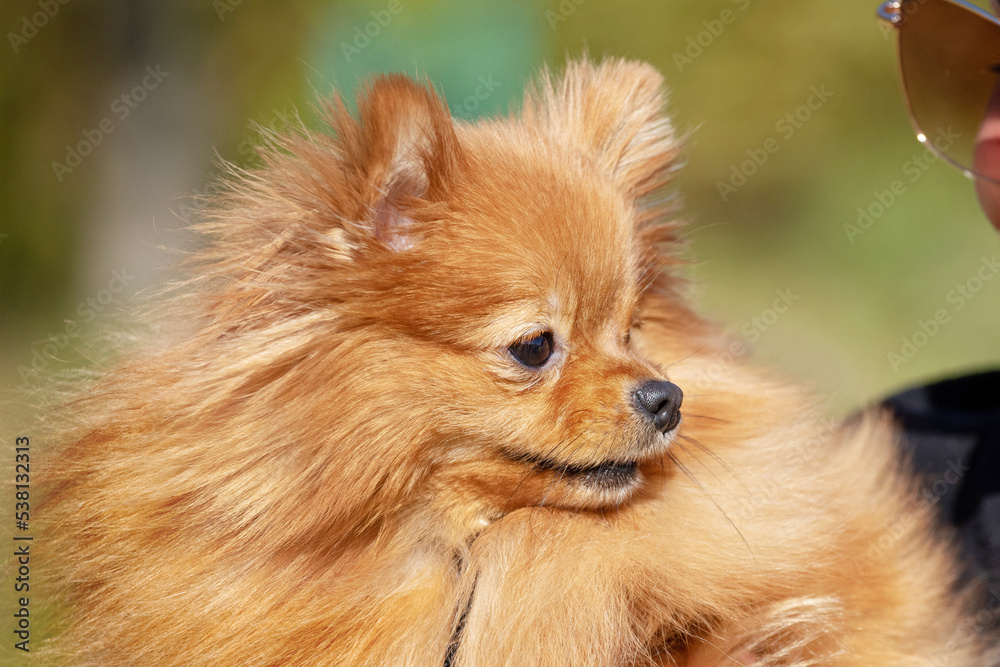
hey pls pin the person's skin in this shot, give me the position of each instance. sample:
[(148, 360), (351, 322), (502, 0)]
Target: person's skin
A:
[(986, 159)]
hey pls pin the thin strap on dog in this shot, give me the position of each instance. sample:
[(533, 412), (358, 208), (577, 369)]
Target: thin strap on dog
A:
[(456, 635)]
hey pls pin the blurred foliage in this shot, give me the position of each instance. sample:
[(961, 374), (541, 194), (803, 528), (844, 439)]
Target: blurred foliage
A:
[(735, 68), (461, 47)]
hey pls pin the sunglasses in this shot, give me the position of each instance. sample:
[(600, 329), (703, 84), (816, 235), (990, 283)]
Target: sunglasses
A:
[(949, 59)]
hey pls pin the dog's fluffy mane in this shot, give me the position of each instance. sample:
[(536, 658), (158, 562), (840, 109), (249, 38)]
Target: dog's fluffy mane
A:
[(250, 495)]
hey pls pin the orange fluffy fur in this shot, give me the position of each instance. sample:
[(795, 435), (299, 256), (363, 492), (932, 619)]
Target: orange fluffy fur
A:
[(331, 462)]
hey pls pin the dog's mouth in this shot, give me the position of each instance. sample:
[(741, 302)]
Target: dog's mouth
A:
[(606, 476)]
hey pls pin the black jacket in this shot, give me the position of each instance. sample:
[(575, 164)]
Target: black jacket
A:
[(952, 432)]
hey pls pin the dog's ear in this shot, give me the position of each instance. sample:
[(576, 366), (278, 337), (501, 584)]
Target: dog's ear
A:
[(360, 186), (400, 153), (614, 110)]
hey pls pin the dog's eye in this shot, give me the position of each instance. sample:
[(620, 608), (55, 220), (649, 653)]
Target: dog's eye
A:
[(533, 351), (636, 323)]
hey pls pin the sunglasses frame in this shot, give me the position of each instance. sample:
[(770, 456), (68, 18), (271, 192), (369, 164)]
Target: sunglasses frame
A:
[(893, 13)]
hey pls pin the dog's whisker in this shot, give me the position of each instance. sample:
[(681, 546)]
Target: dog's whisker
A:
[(524, 478), (536, 469), (696, 229), (687, 356), (694, 456), (697, 416), (562, 473), (691, 440), (557, 448), (663, 472), (708, 495)]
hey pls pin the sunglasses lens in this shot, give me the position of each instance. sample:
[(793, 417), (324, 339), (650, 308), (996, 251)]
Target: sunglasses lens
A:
[(950, 60)]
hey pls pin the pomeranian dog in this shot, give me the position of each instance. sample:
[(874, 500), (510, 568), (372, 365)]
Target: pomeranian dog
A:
[(435, 397)]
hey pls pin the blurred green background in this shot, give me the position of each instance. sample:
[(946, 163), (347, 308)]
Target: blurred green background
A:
[(736, 68), (113, 113)]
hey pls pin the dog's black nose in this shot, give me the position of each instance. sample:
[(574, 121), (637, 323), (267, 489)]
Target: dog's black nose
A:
[(661, 402)]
